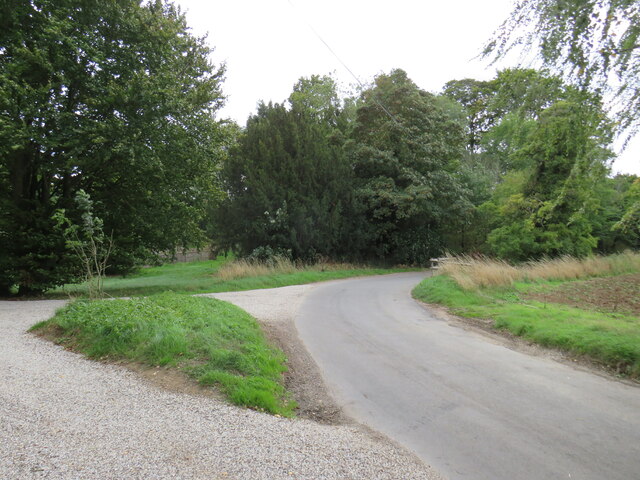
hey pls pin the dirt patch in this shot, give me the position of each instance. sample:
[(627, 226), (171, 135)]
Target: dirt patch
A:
[(303, 379), (619, 294), (172, 379)]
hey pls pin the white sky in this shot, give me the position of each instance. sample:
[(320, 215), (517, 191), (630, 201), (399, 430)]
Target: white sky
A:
[(268, 45)]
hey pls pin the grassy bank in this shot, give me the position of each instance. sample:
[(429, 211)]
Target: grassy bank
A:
[(522, 303), (212, 341), (220, 275)]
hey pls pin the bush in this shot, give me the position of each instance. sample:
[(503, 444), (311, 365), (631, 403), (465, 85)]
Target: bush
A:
[(268, 254)]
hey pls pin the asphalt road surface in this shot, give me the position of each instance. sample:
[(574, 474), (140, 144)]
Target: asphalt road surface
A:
[(469, 407)]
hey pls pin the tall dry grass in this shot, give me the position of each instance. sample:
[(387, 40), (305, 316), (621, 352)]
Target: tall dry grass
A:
[(243, 268), (473, 273)]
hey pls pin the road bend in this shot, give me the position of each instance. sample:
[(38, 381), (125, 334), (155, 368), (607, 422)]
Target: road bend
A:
[(469, 407)]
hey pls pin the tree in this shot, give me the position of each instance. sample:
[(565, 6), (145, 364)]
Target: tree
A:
[(288, 183), (317, 96), (501, 112), (405, 148), (474, 96), (91, 245), (530, 167), (629, 224), (116, 99), (552, 212), (587, 42), (615, 195)]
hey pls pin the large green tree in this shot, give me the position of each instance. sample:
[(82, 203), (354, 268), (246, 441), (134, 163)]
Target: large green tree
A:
[(288, 183), (553, 211), (501, 111), (474, 96), (538, 167), (611, 228), (116, 98), (629, 223), (405, 149)]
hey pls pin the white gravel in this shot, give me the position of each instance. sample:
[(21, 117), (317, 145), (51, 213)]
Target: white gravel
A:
[(65, 417), (270, 305)]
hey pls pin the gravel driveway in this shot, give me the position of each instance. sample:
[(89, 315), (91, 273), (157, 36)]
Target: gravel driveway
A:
[(65, 417)]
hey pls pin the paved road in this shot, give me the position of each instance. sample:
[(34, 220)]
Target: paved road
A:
[(471, 408)]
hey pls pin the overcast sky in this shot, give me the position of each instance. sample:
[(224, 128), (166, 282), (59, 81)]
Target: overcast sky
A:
[(268, 45)]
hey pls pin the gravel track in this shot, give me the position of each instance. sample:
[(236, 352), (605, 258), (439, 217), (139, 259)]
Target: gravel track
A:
[(65, 417)]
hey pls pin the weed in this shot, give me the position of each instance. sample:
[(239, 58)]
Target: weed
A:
[(244, 268)]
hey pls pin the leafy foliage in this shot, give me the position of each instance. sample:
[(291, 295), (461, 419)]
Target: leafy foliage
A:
[(287, 180), (369, 178), (629, 224), (586, 41), (117, 99), (551, 214), (474, 96), (540, 165), (88, 241), (405, 149)]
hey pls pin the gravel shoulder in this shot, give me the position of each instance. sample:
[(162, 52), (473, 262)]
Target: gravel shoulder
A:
[(66, 417)]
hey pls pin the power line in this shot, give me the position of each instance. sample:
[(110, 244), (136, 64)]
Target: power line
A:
[(319, 37)]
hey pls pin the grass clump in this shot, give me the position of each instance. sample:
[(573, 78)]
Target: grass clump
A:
[(473, 273), (611, 339), (246, 268), (213, 341)]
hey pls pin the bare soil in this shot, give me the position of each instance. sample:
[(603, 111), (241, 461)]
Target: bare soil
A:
[(619, 294), (303, 379)]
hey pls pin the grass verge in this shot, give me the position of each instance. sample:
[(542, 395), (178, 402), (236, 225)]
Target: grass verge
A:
[(212, 341), (610, 339), (220, 275)]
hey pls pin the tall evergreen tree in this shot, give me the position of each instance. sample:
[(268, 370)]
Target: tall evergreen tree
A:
[(287, 181)]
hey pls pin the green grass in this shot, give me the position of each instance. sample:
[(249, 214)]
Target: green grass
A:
[(608, 338), (213, 341), (200, 277)]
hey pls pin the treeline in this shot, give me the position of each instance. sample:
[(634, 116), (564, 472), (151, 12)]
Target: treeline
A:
[(368, 178), (516, 167), (538, 166), (108, 131)]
